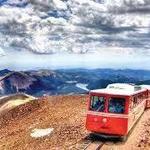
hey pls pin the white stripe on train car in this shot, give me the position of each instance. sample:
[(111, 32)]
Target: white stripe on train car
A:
[(107, 114)]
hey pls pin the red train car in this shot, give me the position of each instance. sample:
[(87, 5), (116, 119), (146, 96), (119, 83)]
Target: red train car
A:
[(148, 95), (115, 109)]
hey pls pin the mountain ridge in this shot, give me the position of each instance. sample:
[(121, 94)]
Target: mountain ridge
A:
[(66, 81)]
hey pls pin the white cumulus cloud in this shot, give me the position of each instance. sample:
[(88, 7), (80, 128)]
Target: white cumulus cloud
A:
[(108, 27), (2, 53)]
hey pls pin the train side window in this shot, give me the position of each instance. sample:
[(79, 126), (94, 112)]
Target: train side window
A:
[(116, 105), (97, 103), (131, 104), (140, 98), (135, 102)]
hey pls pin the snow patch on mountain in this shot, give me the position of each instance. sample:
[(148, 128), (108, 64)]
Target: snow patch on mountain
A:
[(82, 86)]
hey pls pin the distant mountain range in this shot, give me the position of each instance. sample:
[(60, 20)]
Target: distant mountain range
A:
[(66, 81)]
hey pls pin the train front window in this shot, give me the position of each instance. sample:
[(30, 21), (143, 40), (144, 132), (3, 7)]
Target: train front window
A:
[(116, 105), (97, 103)]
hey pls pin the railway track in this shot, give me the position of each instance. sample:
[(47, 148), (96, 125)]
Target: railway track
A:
[(88, 143)]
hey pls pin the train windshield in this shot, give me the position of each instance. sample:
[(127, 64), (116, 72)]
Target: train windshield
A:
[(116, 105), (97, 103)]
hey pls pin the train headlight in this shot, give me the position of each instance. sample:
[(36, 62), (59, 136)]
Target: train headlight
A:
[(104, 120), (95, 119)]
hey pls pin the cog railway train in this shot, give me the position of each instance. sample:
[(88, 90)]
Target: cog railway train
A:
[(113, 111)]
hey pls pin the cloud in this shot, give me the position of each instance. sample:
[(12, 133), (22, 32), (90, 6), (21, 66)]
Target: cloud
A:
[(60, 4), (76, 27), (16, 2), (2, 53), (48, 5)]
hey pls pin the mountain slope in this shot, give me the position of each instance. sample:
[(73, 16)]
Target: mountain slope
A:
[(67, 81)]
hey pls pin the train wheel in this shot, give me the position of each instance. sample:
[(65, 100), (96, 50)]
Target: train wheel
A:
[(123, 138)]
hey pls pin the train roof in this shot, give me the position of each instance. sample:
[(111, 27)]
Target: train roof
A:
[(145, 86), (120, 89)]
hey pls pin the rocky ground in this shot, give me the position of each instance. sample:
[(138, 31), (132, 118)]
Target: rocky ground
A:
[(144, 141), (66, 116)]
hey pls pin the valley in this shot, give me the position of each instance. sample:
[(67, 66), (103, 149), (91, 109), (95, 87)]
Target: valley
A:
[(66, 81)]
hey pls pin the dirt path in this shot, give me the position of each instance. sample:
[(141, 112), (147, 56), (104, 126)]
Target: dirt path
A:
[(134, 139)]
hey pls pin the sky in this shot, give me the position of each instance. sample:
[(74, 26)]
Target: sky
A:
[(37, 34)]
